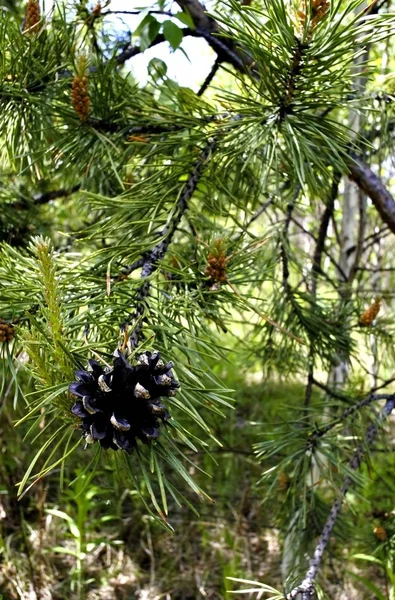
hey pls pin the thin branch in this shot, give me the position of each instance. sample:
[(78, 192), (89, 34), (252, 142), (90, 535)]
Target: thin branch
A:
[(44, 198), (374, 7), (332, 260), (323, 231), (383, 385), (254, 217), (130, 268), (377, 270), (209, 77), (371, 239), (135, 12), (307, 586), (150, 263), (330, 391), (130, 51), (320, 432), (259, 212), (315, 271)]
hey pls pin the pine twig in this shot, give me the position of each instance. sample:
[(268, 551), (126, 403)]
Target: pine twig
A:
[(130, 51), (209, 77), (316, 269), (150, 263), (330, 391), (130, 268), (45, 197), (306, 588), (319, 433), (323, 230)]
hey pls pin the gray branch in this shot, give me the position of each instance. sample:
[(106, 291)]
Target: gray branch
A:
[(150, 264), (307, 586)]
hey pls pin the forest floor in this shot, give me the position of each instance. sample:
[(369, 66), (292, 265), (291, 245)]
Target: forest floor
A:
[(91, 542)]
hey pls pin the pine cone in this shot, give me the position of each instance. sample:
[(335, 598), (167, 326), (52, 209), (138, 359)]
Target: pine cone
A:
[(368, 317), (32, 17), (6, 332), (121, 404)]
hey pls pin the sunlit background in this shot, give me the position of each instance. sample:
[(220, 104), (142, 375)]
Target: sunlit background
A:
[(188, 65)]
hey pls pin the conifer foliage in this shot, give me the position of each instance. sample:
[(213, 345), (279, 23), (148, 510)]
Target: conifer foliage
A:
[(151, 235)]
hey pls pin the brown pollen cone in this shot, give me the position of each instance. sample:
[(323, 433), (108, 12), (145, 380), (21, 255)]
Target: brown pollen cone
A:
[(32, 16), (6, 332), (380, 533), (217, 262), (319, 8), (283, 481), (80, 96), (367, 318), (96, 12)]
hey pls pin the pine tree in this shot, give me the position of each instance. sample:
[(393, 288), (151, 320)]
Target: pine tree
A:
[(151, 234)]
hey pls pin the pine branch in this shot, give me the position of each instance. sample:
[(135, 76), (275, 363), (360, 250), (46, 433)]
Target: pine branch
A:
[(135, 12), (228, 51), (373, 187), (328, 254), (319, 433), (225, 47), (45, 197), (374, 7), (130, 268), (130, 51), (254, 217), (307, 586), (150, 263)]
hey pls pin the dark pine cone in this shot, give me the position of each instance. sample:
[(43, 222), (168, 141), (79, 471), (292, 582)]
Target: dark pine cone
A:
[(120, 404)]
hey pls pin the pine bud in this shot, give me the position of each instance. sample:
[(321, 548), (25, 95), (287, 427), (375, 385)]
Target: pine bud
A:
[(380, 533), (368, 317), (32, 16), (283, 481), (217, 262), (79, 91)]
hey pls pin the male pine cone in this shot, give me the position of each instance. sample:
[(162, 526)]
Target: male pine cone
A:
[(121, 404), (80, 96), (368, 317), (217, 263), (32, 17), (6, 332), (319, 8)]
